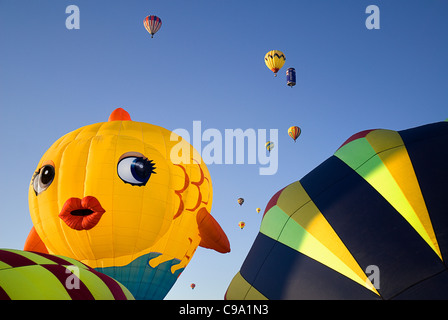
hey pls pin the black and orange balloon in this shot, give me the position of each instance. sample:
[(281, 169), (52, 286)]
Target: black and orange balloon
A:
[(370, 222)]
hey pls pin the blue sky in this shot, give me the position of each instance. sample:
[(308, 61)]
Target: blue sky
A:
[(206, 64)]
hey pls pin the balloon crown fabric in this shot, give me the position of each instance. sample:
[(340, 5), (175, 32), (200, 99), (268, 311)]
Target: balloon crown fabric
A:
[(109, 195), (119, 114), (370, 222), (32, 275)]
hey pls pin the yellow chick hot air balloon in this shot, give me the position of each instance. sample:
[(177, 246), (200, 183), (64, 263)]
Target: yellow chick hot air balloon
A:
[(274, 60), (111, 196)]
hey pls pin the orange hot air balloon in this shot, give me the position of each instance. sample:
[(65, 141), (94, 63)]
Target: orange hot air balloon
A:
[(294, 132)]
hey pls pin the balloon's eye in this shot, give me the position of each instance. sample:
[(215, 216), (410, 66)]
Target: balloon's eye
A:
[(135, 170), (43, 178)]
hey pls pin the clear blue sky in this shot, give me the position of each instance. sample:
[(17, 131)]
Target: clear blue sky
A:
[(206, 64)]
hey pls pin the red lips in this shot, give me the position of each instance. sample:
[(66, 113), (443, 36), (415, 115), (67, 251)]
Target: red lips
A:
[(81, 214)]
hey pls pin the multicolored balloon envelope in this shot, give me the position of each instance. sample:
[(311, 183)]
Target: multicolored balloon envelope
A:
[(294, 132), (152, 24), (370, 222), (28, 275)]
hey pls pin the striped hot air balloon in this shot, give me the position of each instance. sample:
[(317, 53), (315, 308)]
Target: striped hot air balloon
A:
[(269, 145), (26, 275), (152, 24), (370, 222), (294, 132)]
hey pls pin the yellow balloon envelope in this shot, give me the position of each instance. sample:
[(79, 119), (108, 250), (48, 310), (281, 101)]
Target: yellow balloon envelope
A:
[(115, 196), (274, 60)]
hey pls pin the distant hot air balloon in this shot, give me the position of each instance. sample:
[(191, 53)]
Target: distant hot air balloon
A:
[(152, 24), (241, 224), (291, 77), (258, 210), (294, 132), (274, 60), (269, 145), (192, 286), (240, 201)]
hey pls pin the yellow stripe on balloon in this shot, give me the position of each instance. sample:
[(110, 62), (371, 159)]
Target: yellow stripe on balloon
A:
[(296, 222), (240, 289), (386, 166)]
